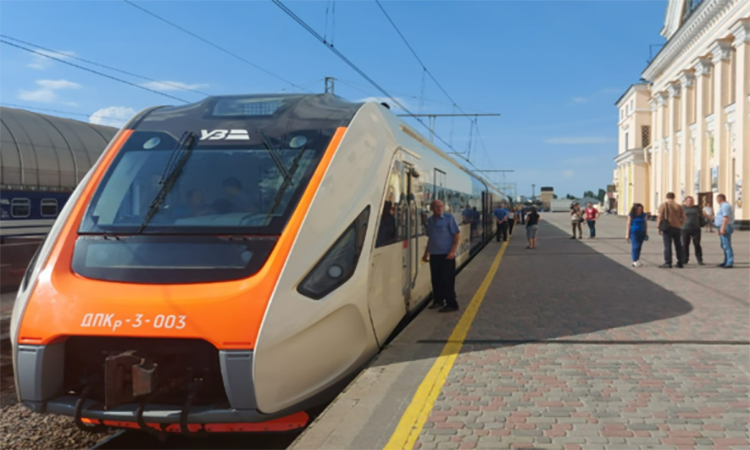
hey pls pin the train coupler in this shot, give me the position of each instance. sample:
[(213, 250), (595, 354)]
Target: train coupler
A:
[(127, 376)]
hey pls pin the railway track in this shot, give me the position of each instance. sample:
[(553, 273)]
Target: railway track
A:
[(127, 439)]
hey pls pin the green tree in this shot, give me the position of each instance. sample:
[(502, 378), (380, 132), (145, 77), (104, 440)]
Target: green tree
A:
[(602, 193), (570, 197), (589, 194)]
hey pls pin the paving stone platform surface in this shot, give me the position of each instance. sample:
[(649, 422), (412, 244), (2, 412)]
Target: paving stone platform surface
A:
[(572, 348)]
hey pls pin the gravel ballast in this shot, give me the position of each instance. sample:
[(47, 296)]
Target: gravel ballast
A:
[(21, 429)]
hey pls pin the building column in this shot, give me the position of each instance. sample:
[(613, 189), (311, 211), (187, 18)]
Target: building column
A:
[(741, 34), (675, 154), (702, 72), (650, 156), (687, 83), (721, 52), (662, 155)]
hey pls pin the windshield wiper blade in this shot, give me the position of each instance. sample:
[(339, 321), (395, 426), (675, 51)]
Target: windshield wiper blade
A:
[(275, 156), (286, 183), (168, 182)]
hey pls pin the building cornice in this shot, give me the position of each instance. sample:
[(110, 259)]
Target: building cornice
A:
[(684, 36), (634, 154), (721, 51)]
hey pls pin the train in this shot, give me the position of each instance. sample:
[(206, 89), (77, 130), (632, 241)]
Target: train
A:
[(42, 159), (231, 264)]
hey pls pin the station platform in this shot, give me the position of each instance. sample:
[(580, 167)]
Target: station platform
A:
[(563, 347)]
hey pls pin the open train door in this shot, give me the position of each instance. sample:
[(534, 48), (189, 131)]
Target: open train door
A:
[(392, 259)]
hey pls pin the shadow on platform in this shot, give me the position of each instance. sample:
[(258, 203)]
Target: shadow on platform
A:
[(562, 290)]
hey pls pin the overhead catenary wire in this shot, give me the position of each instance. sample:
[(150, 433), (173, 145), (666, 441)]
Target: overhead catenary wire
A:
[(30, 50), (65, 55), (216, 46), (427, 71), (346, 60)]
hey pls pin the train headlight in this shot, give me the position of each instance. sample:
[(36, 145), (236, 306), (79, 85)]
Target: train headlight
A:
[(339, 262)]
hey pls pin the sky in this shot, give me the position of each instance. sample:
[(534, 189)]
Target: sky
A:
[(552, 69)]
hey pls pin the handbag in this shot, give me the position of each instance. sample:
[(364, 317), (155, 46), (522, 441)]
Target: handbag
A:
[(664, 224)]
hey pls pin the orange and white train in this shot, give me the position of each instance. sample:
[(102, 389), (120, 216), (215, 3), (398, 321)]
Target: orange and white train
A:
[(230, 264)]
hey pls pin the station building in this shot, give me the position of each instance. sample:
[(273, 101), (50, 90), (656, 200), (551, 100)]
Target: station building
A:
[(685, 127)]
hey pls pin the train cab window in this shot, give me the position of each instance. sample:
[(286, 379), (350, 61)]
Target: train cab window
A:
[(231, 189), (49, 207), (20, 208)]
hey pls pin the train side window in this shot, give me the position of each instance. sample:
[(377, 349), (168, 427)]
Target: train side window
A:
[(49, 207), (20, 207)]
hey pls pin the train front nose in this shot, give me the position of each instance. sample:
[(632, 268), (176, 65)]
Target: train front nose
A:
[(173, 385)]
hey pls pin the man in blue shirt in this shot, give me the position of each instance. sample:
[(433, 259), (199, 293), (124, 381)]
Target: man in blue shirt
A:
[(724, 221), (501, 217), (443, 237)]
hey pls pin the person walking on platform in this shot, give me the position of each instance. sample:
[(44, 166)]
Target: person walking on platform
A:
[(576, 218), (511, 220), (670, 220), (636, 232), (443, 237), (501, 217), (591, 215), (532, 226), (691, 229), (724, 222)]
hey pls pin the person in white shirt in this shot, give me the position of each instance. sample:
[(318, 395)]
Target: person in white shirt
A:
[(511, 220), (709, 212)]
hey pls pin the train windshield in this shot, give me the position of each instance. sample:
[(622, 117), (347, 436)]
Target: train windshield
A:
[(161, 184)]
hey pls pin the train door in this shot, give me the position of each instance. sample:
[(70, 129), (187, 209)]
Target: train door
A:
[(389, 287)]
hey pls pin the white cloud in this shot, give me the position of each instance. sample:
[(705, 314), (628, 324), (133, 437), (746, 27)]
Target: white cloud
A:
[(171, 85), (568, 173), (579, 99), (580, 140), (114, 116), (58, 84), (40, 62), (47, 92), (392, 104)]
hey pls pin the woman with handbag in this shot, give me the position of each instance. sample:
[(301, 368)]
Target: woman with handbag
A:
[(576, 219), (636, 232), (695, 219)]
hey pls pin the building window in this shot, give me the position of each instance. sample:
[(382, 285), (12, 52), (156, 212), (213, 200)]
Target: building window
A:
[(20, 208), (49, 207), (645, 135), (626, 142), (632, 105)]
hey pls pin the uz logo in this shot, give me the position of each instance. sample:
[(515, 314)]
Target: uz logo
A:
[(229, 135)]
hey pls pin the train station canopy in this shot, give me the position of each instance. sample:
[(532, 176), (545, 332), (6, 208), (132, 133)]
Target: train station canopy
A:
[(41, 152)]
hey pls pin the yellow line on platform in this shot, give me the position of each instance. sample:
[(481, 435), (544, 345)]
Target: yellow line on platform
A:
[(416, 414)]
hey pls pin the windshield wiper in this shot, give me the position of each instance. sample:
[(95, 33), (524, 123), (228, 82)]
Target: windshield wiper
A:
[(275, 156), (167, 182), (287, 182)]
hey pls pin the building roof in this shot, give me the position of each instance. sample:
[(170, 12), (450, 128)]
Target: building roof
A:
[(38, 151)]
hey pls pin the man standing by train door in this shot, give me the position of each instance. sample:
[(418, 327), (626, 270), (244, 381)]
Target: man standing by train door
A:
[(501, 217), (443, 237)]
